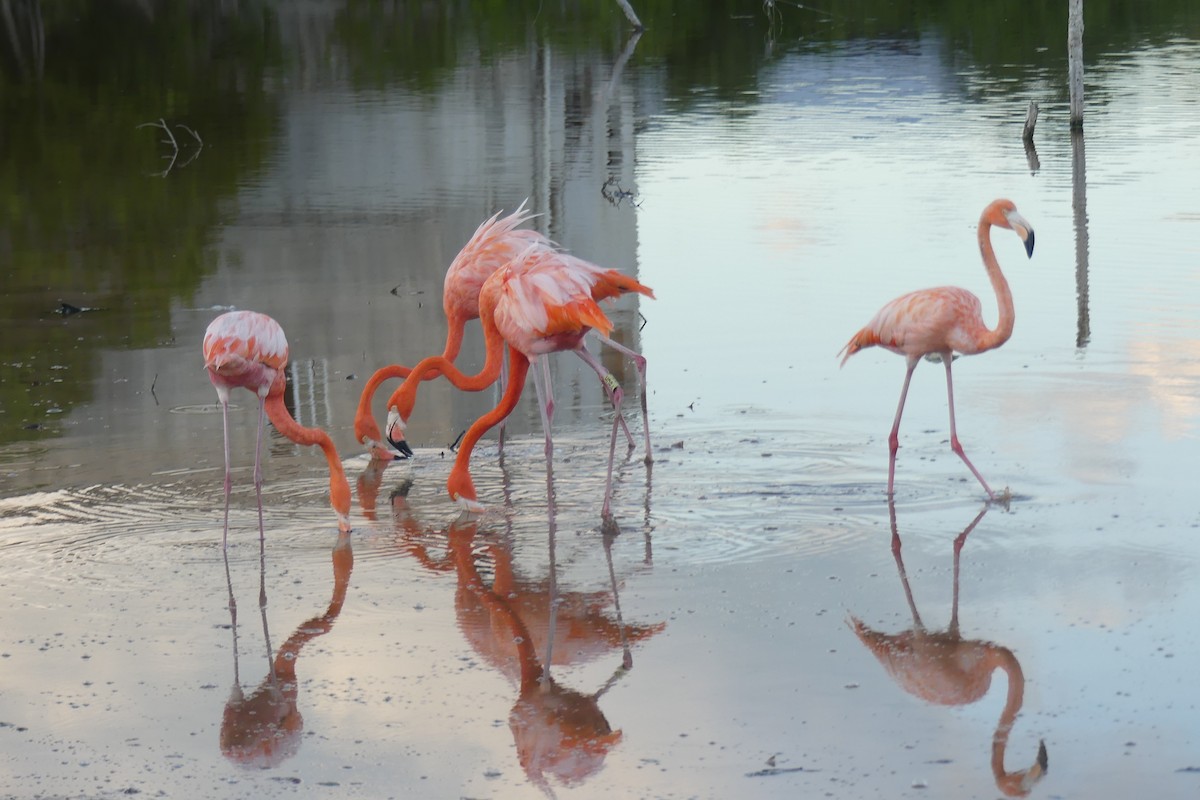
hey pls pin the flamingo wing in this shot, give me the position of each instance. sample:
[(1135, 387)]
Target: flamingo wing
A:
[(545, 301), (922, 322)]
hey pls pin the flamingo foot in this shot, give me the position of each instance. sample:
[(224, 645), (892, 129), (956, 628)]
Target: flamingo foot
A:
[(1002, 498)]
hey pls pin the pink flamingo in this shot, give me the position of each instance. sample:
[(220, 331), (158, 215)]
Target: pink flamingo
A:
[(939, 322), (492, 245), (248, 350), (495, 242), (543, 301)]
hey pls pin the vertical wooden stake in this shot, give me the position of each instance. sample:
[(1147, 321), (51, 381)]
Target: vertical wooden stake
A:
[(1075, 60), (1030, 121), (631, 15)]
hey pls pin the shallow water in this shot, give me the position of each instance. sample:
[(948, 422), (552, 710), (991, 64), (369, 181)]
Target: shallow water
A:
[(785, 185)]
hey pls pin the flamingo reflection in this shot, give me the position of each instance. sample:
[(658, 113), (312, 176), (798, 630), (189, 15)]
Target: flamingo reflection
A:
[(263, 729), (941, 667), (560, 733)]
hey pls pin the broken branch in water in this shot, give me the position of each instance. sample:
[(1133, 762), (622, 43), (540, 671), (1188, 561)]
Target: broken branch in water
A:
[(613, 193), (171, 140)]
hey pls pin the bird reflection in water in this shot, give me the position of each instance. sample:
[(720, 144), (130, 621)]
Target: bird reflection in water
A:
[(941, 667), (560, 733), (263, 729)]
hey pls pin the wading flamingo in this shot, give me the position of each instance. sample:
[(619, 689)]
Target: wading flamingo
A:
[(492, 245), (942, 668), (247, 349), (541, 302), (942, 321), (495, 242)]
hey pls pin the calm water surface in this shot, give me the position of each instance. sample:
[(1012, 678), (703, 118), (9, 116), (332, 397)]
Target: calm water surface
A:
[(757, 622)]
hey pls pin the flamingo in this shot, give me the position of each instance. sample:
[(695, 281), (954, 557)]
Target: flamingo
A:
[(249, 350), (941, 667), (939, 322), (495, 242), (541, 302)]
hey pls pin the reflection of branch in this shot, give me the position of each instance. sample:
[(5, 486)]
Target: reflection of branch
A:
[(1027, 135), (613, 193), (171, 140), (1083, 325)]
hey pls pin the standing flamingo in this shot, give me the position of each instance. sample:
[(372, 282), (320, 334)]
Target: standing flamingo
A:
[(248, 350), (542, 302), (942, 321)]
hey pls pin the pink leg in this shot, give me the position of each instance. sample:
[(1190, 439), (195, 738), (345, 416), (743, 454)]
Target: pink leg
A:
[(894, 437), (639, 362), (616, 395), (228, 478), (954, 444), (611, 386), (540, 375), (262, 416), (549, 389), (503, 386)]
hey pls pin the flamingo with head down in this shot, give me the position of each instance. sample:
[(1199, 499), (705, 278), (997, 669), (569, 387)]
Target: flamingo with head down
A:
[(541, 302), (247, 349), (495, 242)]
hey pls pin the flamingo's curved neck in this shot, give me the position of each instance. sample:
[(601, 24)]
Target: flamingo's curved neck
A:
[(1003, 330), (1011, 783), (339, 487), (404, 398), (500, 610)]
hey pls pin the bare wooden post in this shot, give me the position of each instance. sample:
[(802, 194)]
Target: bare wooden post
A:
[(1030, 121), (631, 15), (1075, 60)]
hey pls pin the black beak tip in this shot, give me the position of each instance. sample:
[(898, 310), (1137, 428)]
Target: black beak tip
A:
[(1029, 245), (402, 447)]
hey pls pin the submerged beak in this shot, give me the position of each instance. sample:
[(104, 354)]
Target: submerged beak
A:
[(1022, 228)]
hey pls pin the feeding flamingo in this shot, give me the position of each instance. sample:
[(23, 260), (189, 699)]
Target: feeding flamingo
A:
[(495, 242), (492, 245), (541, 302), (943, 321), (247, 349)]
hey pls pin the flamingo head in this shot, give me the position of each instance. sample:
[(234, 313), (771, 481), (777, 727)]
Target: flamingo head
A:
[(1020, 784), (395, 435), (1004, 214), (462, 491)]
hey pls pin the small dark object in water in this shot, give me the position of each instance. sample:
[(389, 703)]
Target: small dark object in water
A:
[(66, 309)]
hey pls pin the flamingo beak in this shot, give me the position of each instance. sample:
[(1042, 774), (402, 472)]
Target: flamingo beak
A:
[(1022, 228), (395, 426)]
